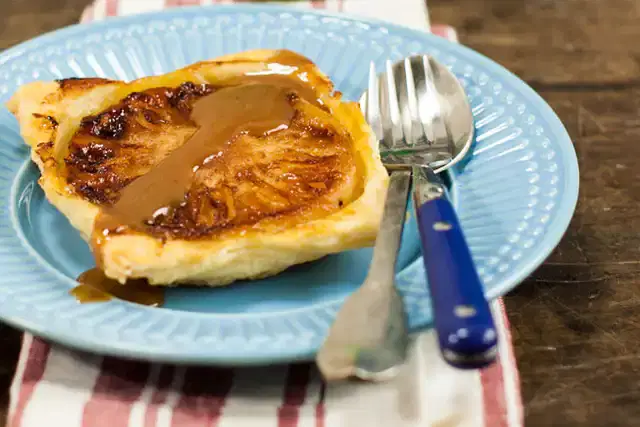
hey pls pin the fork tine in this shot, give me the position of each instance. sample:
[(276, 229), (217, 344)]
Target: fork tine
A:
[(438, 129), (390, 110), (425, 103), (372, 103), (413, 128), (401, 81)]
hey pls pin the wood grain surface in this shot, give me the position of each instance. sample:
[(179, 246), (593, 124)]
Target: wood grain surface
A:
[(576, 320)]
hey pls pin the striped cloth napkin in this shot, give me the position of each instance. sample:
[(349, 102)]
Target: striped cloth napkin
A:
[(411, 13), (55, 386)]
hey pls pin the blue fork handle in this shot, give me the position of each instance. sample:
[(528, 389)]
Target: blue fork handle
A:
[(462, 318)]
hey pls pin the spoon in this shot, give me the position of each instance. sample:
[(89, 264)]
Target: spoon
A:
[(462, 317)]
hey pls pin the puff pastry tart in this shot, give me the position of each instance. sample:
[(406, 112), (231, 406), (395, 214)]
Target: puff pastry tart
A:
[(233, 168)]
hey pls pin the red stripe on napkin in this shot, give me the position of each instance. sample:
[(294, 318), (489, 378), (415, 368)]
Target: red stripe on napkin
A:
[(496, 408), (320, 409), (159, 397), (204, 394), (493, 395), (295, 391), (118, 377), (112, 7), (322, 4), (173, 3), (33, 372)]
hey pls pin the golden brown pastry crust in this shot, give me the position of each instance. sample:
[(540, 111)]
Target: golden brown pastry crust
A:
[(51, 116)]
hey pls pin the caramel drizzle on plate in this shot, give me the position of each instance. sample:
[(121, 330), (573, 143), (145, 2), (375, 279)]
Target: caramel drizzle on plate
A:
[(94, 286)]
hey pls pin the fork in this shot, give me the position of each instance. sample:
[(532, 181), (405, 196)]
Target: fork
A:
[(369, 337)]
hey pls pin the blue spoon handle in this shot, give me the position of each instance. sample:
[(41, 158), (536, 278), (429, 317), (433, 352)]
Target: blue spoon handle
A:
[(462, 318)]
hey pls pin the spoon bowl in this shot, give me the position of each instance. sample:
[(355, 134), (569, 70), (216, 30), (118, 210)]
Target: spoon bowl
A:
[(440, 95)]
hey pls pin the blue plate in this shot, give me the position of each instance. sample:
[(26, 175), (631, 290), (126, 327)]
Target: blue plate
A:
[(515, 193)]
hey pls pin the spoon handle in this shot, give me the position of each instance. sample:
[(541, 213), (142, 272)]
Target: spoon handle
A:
[(463, 321)]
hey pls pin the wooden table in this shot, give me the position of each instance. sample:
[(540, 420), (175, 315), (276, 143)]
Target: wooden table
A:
[(576, 320)]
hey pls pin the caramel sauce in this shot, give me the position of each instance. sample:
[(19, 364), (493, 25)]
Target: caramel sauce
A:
[(94, 286), (251, 106), (220, 116)]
